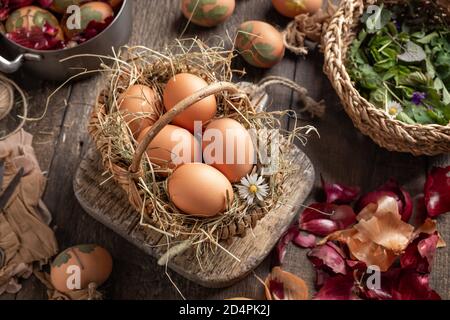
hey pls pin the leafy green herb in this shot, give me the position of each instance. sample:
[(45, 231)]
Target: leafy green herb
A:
[(399, 57), (413, 53)]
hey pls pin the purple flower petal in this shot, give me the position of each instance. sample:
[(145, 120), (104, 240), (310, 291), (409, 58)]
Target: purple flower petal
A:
[(418, 97)]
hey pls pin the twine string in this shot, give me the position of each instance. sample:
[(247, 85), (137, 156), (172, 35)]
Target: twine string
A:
[(314, 108), (23, 118)]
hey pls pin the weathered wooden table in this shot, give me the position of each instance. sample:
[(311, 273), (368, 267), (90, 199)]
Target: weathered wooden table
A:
[(340, 154)]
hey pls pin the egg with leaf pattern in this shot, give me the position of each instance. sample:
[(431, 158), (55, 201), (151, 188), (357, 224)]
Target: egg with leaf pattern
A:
[(292, 8), (95, 12), (207, 13), (260, 44), (30, 17), (77, 267)]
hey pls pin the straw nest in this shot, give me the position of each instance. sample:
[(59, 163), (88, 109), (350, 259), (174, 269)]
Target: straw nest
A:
[(144, 182)]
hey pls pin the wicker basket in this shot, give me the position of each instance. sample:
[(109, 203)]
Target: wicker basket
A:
[(128, 175), (386, 132)]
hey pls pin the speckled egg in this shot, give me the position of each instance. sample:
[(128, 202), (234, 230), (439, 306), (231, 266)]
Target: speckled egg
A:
[(77, 267), (292, 8), (172, 147), (207, 13), (260, 44), (30, 17), (181, 86), (200, 190), (92, 11), (140, 107), (228, 147)]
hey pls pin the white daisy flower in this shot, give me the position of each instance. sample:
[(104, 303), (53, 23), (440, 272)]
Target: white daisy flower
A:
[(253, 188), (393, 109)]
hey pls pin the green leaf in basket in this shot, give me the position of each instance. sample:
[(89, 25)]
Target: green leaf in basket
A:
[(413, 53), (403, 117), (438, 116), (421, 115), (428, 38), (379, 97), (369, 78), (376, 18)]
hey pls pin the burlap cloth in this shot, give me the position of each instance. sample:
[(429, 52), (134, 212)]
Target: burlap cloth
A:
[(25, 237), (26, 240)]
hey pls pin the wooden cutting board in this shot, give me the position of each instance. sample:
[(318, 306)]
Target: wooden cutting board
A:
[(107, 203), (104, 200)]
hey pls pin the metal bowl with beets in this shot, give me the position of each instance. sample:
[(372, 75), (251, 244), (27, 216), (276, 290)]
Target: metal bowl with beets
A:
[(52, 64)]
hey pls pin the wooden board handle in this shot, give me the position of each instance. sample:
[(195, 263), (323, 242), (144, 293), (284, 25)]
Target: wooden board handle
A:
[(172, 113)]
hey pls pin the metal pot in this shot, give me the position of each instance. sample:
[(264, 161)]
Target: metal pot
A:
[(48, 65)]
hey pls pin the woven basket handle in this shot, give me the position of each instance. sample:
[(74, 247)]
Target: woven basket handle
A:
[(175, 111)]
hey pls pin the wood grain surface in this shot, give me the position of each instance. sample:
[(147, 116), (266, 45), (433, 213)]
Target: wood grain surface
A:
[(340, 154)]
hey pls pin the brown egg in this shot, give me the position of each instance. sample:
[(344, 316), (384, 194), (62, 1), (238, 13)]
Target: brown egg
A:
[(200, 190), (228, 147), (92, 11), (182, 86), (172, 147), (140, 107), (292, 8), (92, 263), (260, 44), (31, 16), (207, 13)]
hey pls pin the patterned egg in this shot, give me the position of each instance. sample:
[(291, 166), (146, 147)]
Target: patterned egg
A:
[(260, 44), (200, 190), (140, 108), (60, 6), (207, 13), (95, 11), (31, 16), (77, 267), (292, 8)]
